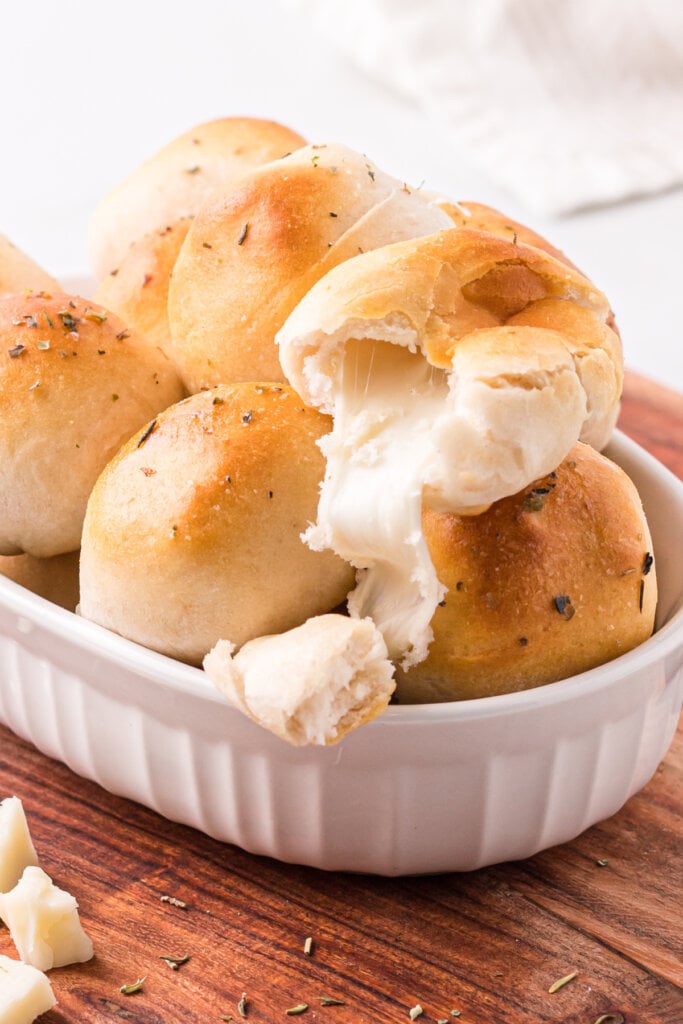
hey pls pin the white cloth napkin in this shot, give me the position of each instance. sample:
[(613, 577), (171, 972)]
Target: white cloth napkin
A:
[(565, 103)]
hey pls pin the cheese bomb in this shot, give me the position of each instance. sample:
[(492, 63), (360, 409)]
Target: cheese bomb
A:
[(547, 583), (193, 531), (75, 383)]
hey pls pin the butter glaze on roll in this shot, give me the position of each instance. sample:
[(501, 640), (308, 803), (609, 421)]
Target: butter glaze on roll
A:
[(547, 583), (174, 182), (192, 533), (439, 387), (74, 385), (257, 247)]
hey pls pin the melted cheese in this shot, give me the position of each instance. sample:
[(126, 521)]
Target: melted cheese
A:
[(43, 922), (16, 848), (403, 430), (25, 992)]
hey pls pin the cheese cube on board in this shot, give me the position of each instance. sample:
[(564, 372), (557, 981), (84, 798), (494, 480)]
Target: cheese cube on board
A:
[(16, 848), (43, 922), (25, 992)]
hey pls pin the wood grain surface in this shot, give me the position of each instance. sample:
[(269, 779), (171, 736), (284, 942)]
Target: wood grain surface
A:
[(487, 944)]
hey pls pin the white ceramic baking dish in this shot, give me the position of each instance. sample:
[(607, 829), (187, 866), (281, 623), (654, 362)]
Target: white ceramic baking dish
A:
[(427, 788)]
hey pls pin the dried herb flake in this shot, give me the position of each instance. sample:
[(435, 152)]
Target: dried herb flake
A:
[(172, 899), (143, 438), (561, 982), (294, 1011), (15, 352), (175, 962), (243, 233), (563, 604), (129, 990)]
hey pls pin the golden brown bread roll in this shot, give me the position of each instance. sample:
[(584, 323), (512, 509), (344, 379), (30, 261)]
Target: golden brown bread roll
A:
[(547, 583), (175, 181), (478, 217), (460, 366), (18, 272), (256, 248), (74, 385), (193, 530), (137, 290), (55, 579)]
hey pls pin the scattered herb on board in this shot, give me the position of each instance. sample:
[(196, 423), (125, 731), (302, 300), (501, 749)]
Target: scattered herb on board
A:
[(175, 962), (561, 982), (308, 944), (602, 863), (294, 1011), (563, 604), (225, 1016), (415, 1012), (456, 1013), (15, 352), (172, 899), (129, 990), (242, 1005), (610, 1018), (331, 1001), (146, 433), (243, 233)]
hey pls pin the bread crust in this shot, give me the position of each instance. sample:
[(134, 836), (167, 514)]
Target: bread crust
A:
[(55, 579), (193, 532), (19, 272), (75, 383), (547, 583), (137, 290), (255, 250), (175, 181)]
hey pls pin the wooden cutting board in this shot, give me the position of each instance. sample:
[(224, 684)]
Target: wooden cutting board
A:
[(488, 945)]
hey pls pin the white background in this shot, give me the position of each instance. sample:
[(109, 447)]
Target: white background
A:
[(87, 91)]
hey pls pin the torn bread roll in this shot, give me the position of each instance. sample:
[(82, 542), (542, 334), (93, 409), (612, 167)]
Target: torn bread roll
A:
[(436, 390), (193, 531), (256, 248), (19, 273), (311, 685), (55, 579), (74, 385), (547, 583), (137, 290), (175, 182)]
